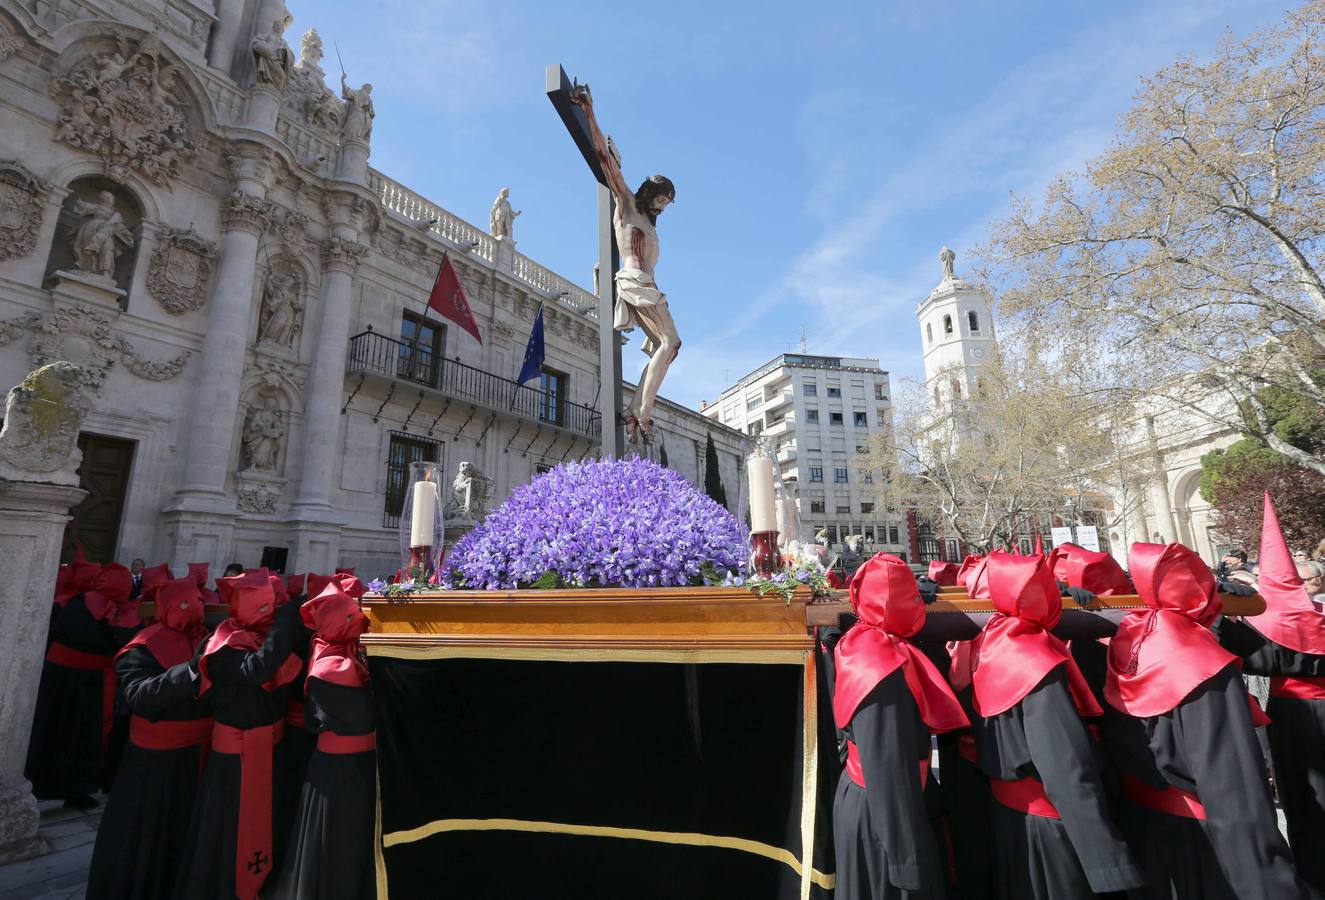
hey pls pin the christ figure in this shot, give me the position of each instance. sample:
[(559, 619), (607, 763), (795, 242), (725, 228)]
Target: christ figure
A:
[(638, 300)]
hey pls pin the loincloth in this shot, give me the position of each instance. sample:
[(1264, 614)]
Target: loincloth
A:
[(639, 304)]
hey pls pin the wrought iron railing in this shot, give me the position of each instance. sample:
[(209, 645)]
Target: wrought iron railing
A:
[(378, 354)]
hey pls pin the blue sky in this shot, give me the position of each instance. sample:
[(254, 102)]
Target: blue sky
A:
[(822, 152)]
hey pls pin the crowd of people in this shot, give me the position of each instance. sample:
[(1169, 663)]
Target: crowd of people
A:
[(239, 761), (1128, 765)]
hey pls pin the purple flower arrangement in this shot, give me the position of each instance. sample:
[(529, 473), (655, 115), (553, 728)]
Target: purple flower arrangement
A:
[(600, 523)]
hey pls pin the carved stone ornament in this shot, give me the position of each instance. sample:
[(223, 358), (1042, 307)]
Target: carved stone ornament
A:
[(290, 227), (9, 46), (264, 432), (338, 252), (281, 317), (180, 273), (307, 97), (83, 335), (128, 108), (245, 211), (42, 418), (259, 500), (21, 197)]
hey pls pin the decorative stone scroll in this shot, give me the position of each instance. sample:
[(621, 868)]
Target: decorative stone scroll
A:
[(245, 211), (180, 273), (42, 418), (258, 500), (337, 252), (83, 335), (127, 107), (21, 197)]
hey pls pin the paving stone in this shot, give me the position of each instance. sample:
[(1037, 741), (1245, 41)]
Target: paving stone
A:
[(60, 829)]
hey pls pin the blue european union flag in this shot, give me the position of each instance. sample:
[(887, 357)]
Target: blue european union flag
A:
[(533, 352)]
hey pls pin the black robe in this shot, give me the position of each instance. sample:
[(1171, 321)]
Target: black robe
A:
[(66, 752), (330, 852), (886, 845), (1207, 746), (207, 868), (143, 829), (969, 811), (1082, 853), (1297, 742), (300, 736)]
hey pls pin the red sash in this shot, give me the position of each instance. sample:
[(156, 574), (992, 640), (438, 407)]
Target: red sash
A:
[(857, 774), (172, 735), (1024, 795), (966, 747), (1172, 800), (294, 714), (330, 742), (1297, 688), (63, 655), (253, 848)]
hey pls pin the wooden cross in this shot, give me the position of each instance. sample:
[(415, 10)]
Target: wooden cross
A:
[(559, 88)]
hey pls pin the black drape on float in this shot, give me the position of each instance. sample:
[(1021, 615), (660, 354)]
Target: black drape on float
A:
[(594, 777)]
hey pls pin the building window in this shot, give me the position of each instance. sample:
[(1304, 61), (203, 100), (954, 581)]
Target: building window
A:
[(403, 450), (862, 449), (929, 331), (880, 416), (756, 427), (816, 473), (812, 417), (834, 418), (952, 551), (843, 509), (866, 508), (552, 399), (816, 506), (421, 343), (973, 320), (980, 388), (936, 395), (540, 468), (831, 533), (840, 475), (947, 325), (859, 419), (892, 535), (878, 393), (869, 534), (834, 392), (754, 403), (810, 389), (956, 386), (867, 477)]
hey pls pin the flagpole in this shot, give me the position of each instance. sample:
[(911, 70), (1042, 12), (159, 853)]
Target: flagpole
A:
[(427, 305)]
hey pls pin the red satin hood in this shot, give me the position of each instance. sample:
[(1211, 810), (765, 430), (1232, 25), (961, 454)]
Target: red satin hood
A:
[(1163, 653), (968, 564), (294, 585), (977, 581), (251, 600), (154, 578), (887, 600), (1015, 651), (198, 571), (85, 575), (108, 599), (179, 606), (1292, 618), (337, 623), (278, 589), (945, 573), (316, 584), (1097, 572)]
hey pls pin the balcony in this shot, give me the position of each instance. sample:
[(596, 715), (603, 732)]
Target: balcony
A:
[(376, 354), (787, 451), (775, 399)]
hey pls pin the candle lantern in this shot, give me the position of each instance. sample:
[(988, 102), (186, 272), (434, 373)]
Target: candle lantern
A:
[(421, 523), (763, 515)]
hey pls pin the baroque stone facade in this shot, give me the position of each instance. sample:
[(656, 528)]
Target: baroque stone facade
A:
[(263, 349)]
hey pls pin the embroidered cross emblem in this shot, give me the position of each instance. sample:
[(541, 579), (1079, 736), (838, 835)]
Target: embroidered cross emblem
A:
[(259, 862)]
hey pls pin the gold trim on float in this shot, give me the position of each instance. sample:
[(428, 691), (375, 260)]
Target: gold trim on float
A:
[(379, 861), (685, 838), (809, 772), (757, 657)]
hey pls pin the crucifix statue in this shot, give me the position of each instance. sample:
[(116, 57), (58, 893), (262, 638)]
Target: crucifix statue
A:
[(628, 223)]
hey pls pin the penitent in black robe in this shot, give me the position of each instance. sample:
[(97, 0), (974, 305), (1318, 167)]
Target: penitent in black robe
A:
[(300, 734), (66, 753), (1297, 742), (142, 832), (207, 868), (969, 809), (330, 852), (1206, 745), (1079, 855), (886, 847)]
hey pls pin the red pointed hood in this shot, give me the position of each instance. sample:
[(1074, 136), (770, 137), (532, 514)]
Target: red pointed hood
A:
[(252, 603), (1039, 544), (278, 590), (977, 581), (316, 584), (1292, 618), (1015, 650), (887, 600), (153, 579), (294, 585), (108, 600), (1163, 653), (944, 573), (337, 623), (968, 564), (1097, 572), (198, 571)]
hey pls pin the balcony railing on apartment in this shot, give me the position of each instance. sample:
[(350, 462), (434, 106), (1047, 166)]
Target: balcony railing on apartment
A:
[(378, 354)]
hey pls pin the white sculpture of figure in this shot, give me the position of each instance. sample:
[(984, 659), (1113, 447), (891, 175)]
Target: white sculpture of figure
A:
[(638, 300), (357, 123), (469, 496), (272, 56), (100, 235), (501, 219), (278, 321), (263, 432), (310, 48), (947, 257)]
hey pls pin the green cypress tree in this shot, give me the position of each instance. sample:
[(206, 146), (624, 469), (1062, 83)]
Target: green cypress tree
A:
[(712, 478)]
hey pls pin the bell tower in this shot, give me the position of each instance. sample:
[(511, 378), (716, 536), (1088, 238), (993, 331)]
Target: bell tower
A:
[(957, 334)]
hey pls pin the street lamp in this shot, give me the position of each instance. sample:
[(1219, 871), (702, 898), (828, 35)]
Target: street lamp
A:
[(1072, 515)]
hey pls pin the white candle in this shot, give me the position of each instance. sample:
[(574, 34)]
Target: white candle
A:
[(423, 514), (763, 509)]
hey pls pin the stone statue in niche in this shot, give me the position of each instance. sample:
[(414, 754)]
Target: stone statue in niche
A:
[(264, 429), (272, 57), (469, 496), (358, 115), (501, 219), (279, 318), (42, 419), (100, 235)]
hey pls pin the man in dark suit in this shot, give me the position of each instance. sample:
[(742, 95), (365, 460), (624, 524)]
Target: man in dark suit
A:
[(136, 573)]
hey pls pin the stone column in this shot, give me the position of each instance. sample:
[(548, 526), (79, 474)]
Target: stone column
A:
[(340, 259), (216, 392), (1165, 522), (229, 21), (39, 459)]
